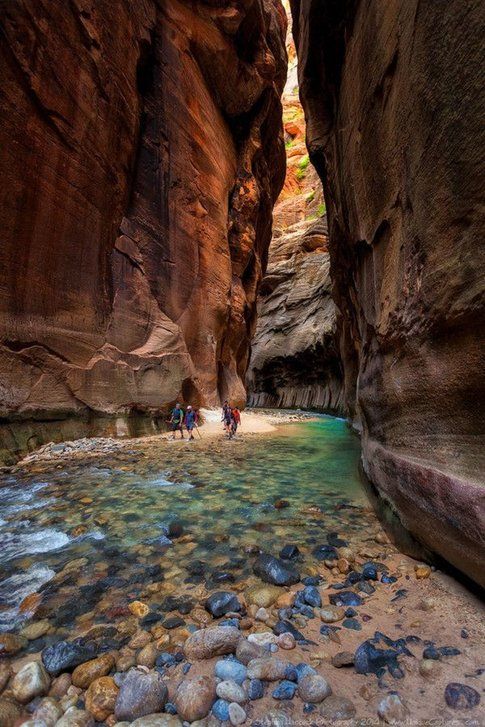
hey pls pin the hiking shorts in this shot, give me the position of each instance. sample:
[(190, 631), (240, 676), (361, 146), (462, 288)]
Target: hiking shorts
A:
[(176, 426)]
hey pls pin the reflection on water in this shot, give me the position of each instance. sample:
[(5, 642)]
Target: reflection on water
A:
[(112, 517)]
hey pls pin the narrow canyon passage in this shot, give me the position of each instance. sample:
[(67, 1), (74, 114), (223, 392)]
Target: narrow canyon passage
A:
[(282, 208)]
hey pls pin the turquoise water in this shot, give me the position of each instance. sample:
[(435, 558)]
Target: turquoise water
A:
[(224, 499)]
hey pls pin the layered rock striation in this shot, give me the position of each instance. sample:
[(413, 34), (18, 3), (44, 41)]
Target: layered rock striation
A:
[(394, 108), (141, 152), (295, 360)]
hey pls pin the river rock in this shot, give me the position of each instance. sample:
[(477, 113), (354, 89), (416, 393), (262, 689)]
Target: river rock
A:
[(231, 691), (5, 674), (60, 685), (147, 656), (140, 694), (75, 717), (332, 614), (194, 697), (10, 712), (263, 595), (263, 638), (342, 658), (101, 698), (31, 681), (286, 641), (220, 710), (422, 571), (336, 709), (311, 596), (314, 688), (269, 669), (345, 598), (231, 669), (48, 711), (86, 673), (392, 710), (275, 571), (10, 644), (65, 655), (429, 668), (461, 696), (237, 715), (222, 602), (35, 630), (248, 650), (215, 641)]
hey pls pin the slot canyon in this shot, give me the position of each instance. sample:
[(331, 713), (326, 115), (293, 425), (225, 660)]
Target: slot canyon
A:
[(279, 205)]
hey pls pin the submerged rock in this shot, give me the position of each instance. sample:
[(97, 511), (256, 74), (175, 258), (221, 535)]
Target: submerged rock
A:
[(101, 698), (222, 602), (65, 655), (275, 571)]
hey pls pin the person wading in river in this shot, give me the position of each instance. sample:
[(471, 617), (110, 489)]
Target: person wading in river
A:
[(176, 421), (227, 419), (235, 419), (190, 421)]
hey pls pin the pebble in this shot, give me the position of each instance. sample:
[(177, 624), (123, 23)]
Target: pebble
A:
[(60, 685), (268, 669), (263, 595), (75, 717), (220, 709), (31, 681), (422, 571), (35, 630), (336, 709), (311, 596), (263, 638), (429, 668), (237, 715), (262, 614), (231, 691), (391, 709), (140, 694), (231, 669), (147, 656), (345, 598), (332, 614), (313, 688), (47, 711), (194, 697), (343, 658), (248, 650), (101, 698), (11, 644), (351, 623), (65, 655), (216, 641), (289, 552), (138, 609), (255, 689), (155, 720), (461, 696), (222, 602), (275, 571), (86, 673), (286, 641), (284, 690)]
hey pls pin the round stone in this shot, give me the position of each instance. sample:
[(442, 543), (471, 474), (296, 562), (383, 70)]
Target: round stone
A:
[(237, 715), (194, 698), (313, 688), (422, 571), (230, 669), (429, 668), (267, 669), (286, 641), (140, 694), (74, 717), (48, 711), (331, 614), (461, 696), (31, 681), (84, 674), (101, 698), (231, 692), (342, 658), (216, 641)]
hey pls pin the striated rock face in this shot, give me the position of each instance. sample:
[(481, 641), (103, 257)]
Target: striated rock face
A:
[(295, 360), (141, 152), (392, 95)]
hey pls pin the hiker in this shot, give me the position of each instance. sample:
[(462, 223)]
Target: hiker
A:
[(235, 419), (176, 421), (190, 421), (227, 419)]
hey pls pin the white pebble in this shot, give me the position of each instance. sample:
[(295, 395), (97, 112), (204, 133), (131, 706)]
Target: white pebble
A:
[(237, 715)]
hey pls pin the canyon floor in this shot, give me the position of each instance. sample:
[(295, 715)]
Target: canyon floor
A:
[(179, 579)]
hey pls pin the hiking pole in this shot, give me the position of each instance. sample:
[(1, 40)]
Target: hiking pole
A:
[(197, 427)]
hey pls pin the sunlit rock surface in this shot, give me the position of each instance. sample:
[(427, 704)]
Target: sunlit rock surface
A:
[(137, 189), (394, 105)]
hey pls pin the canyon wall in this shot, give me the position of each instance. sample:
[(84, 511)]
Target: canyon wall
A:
[(141, 152), (294, 357), (394, 104)]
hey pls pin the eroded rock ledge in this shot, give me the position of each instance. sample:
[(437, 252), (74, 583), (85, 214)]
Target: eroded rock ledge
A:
[(394, 107), (137, 189)]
